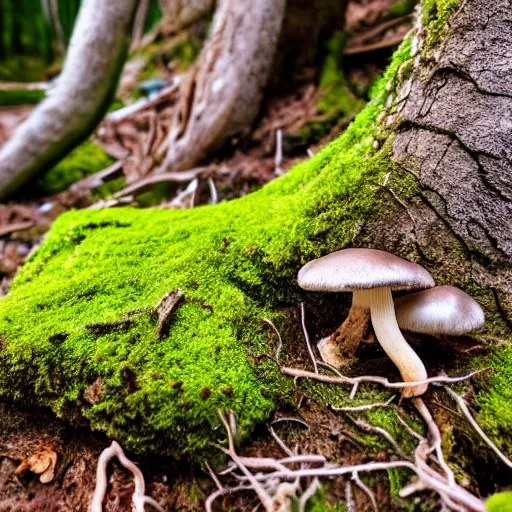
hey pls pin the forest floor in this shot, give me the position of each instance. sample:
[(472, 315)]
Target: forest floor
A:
[(241, 167)]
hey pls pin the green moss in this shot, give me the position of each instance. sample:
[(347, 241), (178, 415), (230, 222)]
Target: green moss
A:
[(83, 161), (495, 415), (337, 104), (402, 8), (14, 97), (437, 14), (96, 266), (501, 502), (319, 503)]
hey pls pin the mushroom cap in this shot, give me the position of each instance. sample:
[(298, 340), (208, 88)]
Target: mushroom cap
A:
[(362, 269), (440, 310)]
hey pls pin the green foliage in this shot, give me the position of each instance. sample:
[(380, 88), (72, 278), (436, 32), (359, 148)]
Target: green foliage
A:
[(501, 502), (14, 97), (83, 161)]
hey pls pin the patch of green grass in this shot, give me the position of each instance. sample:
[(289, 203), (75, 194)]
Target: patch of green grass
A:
[(84, 160)]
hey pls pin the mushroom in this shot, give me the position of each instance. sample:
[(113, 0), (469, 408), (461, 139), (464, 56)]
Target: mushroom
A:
[(440, 310), (371, 274)]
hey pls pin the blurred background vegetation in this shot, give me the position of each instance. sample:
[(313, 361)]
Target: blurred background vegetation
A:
[(35, 33)]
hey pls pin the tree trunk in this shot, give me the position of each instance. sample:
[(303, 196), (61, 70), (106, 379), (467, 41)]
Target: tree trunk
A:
[(80, 97), (221, 96), (423, 172)]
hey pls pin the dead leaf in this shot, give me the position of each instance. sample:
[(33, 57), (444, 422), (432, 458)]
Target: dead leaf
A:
[(42, 462)]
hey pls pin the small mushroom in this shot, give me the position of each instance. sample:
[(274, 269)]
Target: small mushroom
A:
[(371, 274), (440, 310)]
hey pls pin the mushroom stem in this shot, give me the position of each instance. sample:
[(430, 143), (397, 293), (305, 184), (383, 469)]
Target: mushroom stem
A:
[(394, 344), (345, 340)]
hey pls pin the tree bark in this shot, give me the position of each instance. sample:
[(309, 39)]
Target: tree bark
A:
[(80, 97), (453, 137), (221, 96)]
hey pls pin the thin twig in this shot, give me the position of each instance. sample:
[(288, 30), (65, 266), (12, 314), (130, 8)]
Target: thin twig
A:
[(278, 159), (214, 196), (279, 342), (465, 410), (262, 494), (365, 489), (349, 500), (230, 490), (380, 431), (308, 494), (138, 499), (303, 374), (365, 407), (306, 337), (213, 476), (279, 441)]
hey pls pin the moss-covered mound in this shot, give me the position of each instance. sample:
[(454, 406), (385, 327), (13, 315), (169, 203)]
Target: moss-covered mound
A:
[(235, 262), (77, 332)]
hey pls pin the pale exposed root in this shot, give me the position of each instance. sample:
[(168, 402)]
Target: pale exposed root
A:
[(465, 410), (139, 499), (303, 374), (306, 337)]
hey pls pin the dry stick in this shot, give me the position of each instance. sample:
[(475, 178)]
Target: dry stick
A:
[(213, 191), (407, 427), (366, 407), (278, 159), (465, 410), (303, 374), (280, 341), (436, 437), (349, 500), (432, 479), (279, 441), (16, 226), (138, 499), (306, 337), (262, 494), (365, 489)]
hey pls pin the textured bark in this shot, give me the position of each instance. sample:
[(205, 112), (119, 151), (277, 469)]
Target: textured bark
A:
[(179, 14), (455, 137), (221, 96), (80, 97)]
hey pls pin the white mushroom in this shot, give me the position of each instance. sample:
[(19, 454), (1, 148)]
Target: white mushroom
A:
[(375, 273), (440, 310)]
